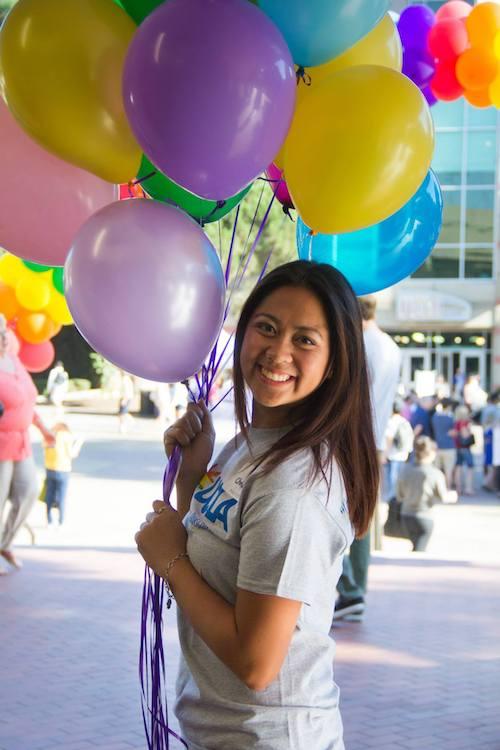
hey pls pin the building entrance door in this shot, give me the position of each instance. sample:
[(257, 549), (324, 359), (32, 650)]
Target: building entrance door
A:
[(469, 361), (413, 360)]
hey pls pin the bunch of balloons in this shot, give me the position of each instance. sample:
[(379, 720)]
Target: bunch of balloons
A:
[(192, 100), (455, 52), (32, 300)]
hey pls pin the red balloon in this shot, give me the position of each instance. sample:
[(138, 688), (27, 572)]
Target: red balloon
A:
[(453, 9), (36, 357), (447, 39), (131, 190), (445, 85)]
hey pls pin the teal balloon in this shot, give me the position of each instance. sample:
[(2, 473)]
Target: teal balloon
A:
[(318, 30), (161, 188), (381, 255), (36, 267), (58, 279)]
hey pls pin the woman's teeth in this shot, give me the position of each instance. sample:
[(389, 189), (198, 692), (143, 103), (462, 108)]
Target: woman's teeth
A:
[(273, 376)]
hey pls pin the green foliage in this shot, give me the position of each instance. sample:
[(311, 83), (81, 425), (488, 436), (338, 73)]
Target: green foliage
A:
[(79, 384), (276, 240), (105, 371)]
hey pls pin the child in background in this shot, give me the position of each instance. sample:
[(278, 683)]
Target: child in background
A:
[(58, 460)]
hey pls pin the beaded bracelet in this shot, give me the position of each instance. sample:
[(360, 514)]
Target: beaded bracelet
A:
[(165, 575)]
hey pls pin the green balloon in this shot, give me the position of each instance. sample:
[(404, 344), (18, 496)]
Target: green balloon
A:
[(139, 9), (36, 267), (58, 279), (159, 187)]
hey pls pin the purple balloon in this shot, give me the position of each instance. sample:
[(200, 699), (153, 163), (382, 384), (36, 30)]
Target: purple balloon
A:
[(419, 66), (146, 289), (209, 89), (431, 99), (414, 25)]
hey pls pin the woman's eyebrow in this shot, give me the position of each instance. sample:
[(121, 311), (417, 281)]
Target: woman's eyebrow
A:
[(312, 329)]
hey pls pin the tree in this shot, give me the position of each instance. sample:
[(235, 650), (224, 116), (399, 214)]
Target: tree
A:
[(277, 239)]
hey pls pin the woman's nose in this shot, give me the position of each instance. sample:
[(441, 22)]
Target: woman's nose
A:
[(279, 350)]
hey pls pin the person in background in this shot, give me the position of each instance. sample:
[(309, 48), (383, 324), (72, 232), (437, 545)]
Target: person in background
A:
[(420, 419), (18, 479), (464, 440), (474, 396), (458, 384), (490, 416), (57, 385), (59, 454), (125, 402), (384, 365), (420, 486), (399, 445), (443, 429)]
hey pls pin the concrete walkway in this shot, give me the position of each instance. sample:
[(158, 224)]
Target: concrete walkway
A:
[(422, 670)]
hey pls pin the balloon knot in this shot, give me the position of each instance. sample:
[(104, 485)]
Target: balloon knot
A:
[(303, 76), (286, 211)]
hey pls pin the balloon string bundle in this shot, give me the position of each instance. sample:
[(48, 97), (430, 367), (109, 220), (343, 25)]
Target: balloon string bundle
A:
[(152, 671)]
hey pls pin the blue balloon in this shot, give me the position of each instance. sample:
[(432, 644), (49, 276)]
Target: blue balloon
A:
[(385, 253), (318, 30)]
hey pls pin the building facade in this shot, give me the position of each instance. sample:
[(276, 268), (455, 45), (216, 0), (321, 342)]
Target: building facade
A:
[(447, 315)]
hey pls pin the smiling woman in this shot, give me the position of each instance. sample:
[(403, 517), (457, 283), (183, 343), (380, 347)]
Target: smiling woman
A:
[(254, 552)]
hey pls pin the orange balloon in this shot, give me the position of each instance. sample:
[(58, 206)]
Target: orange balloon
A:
[(479, 98), (9, 306), (476, 68), (483, 23), (36, 327)]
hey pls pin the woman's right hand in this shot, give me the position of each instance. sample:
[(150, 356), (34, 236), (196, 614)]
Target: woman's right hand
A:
[(194, 433)]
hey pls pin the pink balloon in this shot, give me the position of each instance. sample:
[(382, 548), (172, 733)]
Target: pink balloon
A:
[(36, 357), (453, 9), (275, 174), (146, 289), (44, 199)]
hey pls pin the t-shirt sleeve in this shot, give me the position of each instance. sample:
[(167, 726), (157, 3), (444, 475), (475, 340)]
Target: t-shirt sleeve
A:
[(289, 544)]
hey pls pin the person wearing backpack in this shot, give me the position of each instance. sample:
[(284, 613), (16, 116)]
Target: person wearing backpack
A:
[(399, 445)]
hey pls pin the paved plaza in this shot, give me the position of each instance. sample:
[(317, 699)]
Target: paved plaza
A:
[(421, 671)]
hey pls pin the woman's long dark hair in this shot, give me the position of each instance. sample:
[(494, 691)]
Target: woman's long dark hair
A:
[(338, 413)]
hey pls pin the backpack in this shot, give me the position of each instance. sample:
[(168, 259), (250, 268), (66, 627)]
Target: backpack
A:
[(403, 437)]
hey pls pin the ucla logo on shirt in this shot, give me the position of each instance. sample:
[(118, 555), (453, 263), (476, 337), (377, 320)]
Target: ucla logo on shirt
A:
[(214, 501)]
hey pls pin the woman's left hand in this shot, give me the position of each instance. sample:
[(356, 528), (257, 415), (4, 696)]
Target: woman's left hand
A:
[(161, 537)]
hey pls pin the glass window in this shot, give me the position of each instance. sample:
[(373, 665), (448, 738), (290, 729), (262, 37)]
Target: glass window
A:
[(481, 154), (482, 117), (478, 262), (479, 216), (443, 263), (450, 230), (448, 114), (448, 157)]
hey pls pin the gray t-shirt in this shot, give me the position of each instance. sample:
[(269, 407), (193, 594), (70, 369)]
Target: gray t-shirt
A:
[(277, 535), (419, 487)]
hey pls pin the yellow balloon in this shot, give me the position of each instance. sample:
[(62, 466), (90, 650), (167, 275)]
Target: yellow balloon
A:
[(58, 310), (496, 45), (279, 159), (358, 149), (494, 92), (12, 269), (382, 46), (61, 64), (32, 293)]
